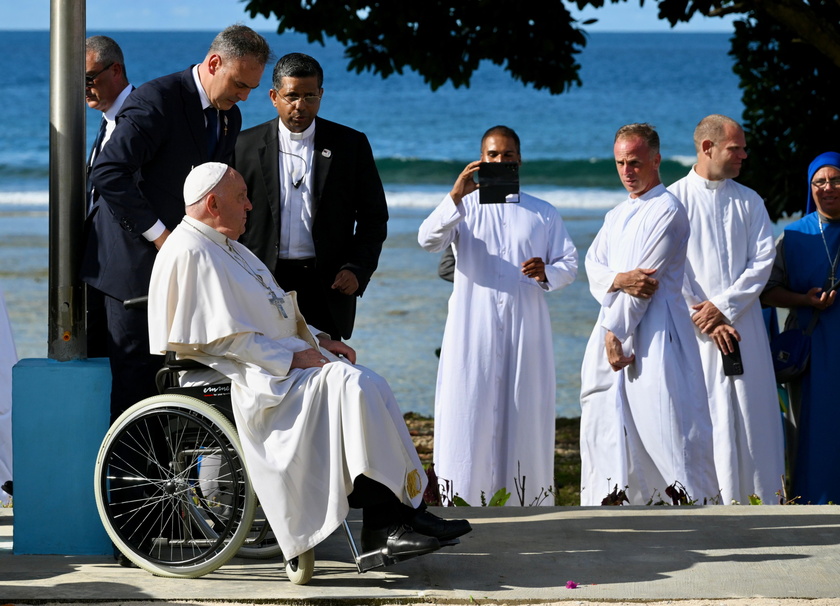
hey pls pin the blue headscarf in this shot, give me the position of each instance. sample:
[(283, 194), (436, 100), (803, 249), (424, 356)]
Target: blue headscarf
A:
[(826, 159)]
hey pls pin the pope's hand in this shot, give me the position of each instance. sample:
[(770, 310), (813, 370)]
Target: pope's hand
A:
[(339, 348), (308, 358)]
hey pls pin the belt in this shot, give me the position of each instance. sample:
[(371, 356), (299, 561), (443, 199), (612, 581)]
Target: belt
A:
[(297, 263)]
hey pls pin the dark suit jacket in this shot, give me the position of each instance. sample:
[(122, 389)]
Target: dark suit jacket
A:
[(139, 175), (351, 214)]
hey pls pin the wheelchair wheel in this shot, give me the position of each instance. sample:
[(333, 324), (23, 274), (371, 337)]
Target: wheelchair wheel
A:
[(300, 569), (171, 487), (260, 543)]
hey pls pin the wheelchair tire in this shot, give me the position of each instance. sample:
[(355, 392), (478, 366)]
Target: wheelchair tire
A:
[(260, 543), (300, 569), (153, 501)]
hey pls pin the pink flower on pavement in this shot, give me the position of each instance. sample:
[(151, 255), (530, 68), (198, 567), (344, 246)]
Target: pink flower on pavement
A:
[(571, 585)]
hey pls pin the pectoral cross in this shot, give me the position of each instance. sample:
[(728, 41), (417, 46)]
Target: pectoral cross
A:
[(278, 303)]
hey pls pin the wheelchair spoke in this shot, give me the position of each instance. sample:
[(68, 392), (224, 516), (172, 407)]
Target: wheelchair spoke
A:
[(172, 488)]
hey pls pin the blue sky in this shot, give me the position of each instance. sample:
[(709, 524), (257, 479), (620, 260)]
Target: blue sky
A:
[(116, 15)]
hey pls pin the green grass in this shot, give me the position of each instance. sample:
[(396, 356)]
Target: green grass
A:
[(566, 454)]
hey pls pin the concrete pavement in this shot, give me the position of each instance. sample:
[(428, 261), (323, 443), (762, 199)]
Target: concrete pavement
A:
[(513, 555)]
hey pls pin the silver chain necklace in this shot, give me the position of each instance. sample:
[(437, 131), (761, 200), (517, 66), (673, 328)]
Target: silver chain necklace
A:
[(273, 298), (833, 264)]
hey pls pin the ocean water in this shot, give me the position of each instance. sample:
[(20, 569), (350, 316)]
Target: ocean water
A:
[(422, 140)]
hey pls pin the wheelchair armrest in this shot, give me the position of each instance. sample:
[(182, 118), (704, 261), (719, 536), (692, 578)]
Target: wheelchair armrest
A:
[(167, 377), (173, 363)]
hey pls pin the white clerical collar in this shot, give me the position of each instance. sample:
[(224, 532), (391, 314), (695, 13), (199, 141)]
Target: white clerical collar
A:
[(708, 184), (111, 112), (653, 192), (285, 133), (205, 229), (205, 100)]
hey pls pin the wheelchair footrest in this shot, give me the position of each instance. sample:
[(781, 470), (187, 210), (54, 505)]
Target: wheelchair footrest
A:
[(381, 557), (374, 559)]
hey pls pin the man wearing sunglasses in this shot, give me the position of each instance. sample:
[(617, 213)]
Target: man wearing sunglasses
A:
[(106, 89), (319, 217), (106, 86)]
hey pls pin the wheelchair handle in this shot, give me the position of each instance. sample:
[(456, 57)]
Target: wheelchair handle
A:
[(137, 302)]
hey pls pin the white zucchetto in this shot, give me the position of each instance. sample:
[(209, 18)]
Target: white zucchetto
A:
[(201, 180)]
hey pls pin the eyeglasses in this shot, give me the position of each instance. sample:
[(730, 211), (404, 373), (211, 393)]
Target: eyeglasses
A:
[(90, 80), (824, 183), (292, 99)]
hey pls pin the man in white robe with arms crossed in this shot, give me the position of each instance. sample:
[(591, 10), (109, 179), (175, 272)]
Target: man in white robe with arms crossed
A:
[(644, 413)]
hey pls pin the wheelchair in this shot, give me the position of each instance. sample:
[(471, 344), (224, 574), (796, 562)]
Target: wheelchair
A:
[(173, 492)]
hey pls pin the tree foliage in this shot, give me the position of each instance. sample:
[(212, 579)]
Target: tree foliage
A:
[(792, 112), (787, 56), (443, 41)]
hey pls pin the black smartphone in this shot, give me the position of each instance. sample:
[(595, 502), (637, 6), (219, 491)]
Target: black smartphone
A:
[(496, 181), (732, 365)]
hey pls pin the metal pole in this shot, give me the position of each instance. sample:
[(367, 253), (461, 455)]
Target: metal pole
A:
[(66, 335)]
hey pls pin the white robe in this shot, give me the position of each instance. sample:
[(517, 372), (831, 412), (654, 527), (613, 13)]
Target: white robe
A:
[(306, 434), (8, 358), (730, 256), (646, 426), (495, 396)]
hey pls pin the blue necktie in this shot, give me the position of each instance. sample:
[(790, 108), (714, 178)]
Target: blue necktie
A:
[(94, 152), (212, 129), (97, 143)]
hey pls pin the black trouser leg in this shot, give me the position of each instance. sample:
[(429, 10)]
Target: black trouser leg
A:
[(380, 507), (133, 368)]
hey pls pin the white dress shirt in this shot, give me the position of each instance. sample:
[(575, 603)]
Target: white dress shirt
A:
[(297, 208)]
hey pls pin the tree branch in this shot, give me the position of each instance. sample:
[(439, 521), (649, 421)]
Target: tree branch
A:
[(800, 19)]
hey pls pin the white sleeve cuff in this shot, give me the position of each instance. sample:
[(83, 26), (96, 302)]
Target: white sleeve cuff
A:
[(155, 231)]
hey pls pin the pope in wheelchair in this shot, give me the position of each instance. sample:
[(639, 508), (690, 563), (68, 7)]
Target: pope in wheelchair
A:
[(319, 433)]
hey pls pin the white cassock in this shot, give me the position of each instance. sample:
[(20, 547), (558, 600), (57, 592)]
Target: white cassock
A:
[(730, 256), (306, 433), (8, 358), (646, 426), (495, 397)]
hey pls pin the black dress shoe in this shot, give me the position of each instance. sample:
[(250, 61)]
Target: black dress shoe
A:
[(431, 525), (399, 540)]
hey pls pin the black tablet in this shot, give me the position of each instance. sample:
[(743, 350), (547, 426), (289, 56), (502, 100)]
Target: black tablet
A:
[(496, 181)]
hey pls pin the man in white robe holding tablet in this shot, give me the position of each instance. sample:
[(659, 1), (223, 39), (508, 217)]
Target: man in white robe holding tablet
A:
[(495, 398)]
